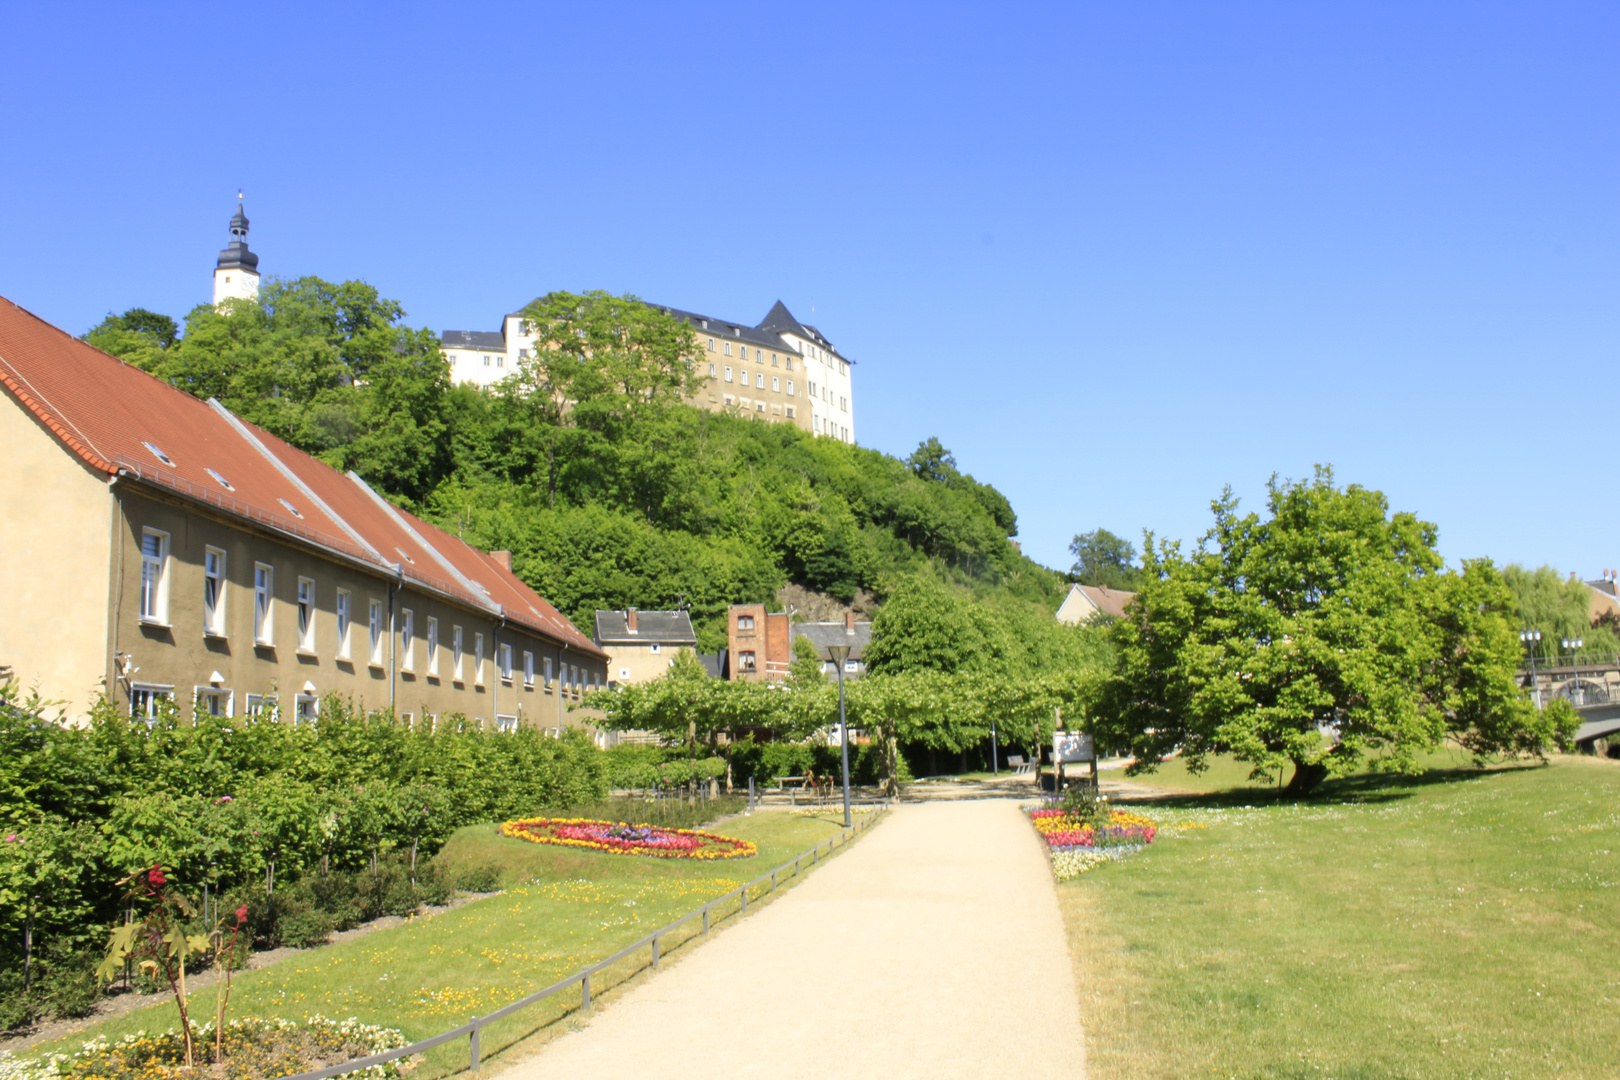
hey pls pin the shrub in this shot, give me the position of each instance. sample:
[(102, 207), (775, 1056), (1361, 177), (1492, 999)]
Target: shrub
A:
[(17, 1009), (69, 987), (303, 926), (485, 878)]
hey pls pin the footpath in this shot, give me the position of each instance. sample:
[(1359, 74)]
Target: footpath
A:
[(932, 948)]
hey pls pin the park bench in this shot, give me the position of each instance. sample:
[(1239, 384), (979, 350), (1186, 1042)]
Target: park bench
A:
[(1019, 766)]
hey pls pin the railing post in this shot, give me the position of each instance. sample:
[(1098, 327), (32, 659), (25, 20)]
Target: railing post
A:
[(773, 881), (585, 993), (472, 1060), (655, 952), (744, 900), (705, 920)]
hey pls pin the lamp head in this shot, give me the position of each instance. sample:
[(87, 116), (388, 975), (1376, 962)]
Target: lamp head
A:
[(838, 654)]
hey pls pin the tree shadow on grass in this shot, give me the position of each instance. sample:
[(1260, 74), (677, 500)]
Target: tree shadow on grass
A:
[(1369, 788)]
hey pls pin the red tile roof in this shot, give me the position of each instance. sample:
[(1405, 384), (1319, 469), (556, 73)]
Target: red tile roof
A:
[(117, 418)]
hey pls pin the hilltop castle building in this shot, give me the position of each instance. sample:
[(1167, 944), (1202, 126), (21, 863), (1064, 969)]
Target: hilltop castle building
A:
[(780, 370), (236, 274)]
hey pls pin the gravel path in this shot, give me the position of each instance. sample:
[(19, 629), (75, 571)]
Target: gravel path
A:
[(933, 948)]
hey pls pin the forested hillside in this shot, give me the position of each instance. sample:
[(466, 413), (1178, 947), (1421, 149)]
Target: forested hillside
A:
[(587, 464)]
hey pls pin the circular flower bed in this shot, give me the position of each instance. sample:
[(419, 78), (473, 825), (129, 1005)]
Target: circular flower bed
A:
[(1077, 843), (623, 839)]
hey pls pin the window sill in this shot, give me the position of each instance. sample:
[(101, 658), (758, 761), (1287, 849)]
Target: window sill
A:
[(345, 657), (261, 643), (215, 635), (157, 623), (375, 665), (306, 652), (460, 684), (506, 682)]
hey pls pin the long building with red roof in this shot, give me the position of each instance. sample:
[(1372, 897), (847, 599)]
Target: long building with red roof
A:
[(157, 546)]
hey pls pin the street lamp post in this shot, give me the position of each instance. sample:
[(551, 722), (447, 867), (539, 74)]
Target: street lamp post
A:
[(1573, 646), (1530, 638), (839, 654)]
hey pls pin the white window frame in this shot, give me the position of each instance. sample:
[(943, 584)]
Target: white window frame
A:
[(711, 344), (728, 373), (504, 655), (478, 659), (624, 673), (306, 615), (264, 604), (728, 348), (506, 723), (213, 693), (257, 706), (759, 383), (790, 388), (407, 639), (306, 706), (374, 626), (457, 654), (433, 647), (657, 648), (711, 371), (144, 697), (776, 383), (214, 580), (155, 578), (528, 669), (548, 672), (345, 622)]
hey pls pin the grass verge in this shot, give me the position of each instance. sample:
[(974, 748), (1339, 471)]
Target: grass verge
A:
[(563, 909), (1459, 924)]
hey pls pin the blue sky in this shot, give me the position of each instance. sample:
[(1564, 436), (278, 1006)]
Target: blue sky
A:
[(1114, 256)]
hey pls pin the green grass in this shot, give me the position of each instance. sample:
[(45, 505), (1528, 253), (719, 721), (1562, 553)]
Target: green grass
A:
[(1225, 774), (1460, 924), (563, 909)]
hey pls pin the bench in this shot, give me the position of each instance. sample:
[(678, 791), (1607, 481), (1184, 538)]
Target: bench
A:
[(1019, 766)]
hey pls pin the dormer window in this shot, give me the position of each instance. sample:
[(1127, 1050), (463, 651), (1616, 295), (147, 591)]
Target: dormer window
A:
[(160, 455), (224, 483), (291, 509)]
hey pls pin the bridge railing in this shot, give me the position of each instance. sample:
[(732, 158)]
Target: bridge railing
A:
[(1568, 662)]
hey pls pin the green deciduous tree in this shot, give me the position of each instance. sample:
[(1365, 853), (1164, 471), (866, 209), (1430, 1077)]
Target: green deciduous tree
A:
[(1317, 636), (1101, 558), (1558, 607)]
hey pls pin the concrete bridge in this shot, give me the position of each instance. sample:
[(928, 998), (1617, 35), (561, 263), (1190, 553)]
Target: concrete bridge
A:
[(1586, 680)]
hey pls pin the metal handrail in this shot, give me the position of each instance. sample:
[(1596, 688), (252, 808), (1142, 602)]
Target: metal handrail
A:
[(583, 975), (1585, 660)]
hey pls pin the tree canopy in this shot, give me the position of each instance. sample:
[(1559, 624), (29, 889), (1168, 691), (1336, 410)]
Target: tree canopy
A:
[(1101, 558), (1321, 634), (1558, 607)]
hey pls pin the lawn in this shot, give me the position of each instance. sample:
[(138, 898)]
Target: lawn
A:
[(1461, 924), (562, 909)]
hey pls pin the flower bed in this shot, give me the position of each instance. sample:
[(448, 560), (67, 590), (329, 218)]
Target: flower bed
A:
[(1077, 844), (620, 838), (253, 1048)]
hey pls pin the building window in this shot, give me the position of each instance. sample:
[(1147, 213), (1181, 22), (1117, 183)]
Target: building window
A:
[(790, 412), (457, 652), (656, 647), (711, 371), (505, 723), (744, 350), (624, 673), (843, 403), (344, 617), (745, 622), (811, 387), (790, 388), (263, 626), (306, 709), (745, 660), (850, 665), (523, 354), (776, 383), (486, 361), (573, 678), (548, 673), (375, 626), (843, 368), (761, 377), (154, 576), (257, 705), (728, 348), (773, 359), (478, 659), (759, 406), (528, 669), (306, 615), (214, 592), (711, 344), (506, 665), (500, 361), (213, 701), (145, 700), (407, 639), (728, 373), (788, 362), (728, 400), (433, 647)]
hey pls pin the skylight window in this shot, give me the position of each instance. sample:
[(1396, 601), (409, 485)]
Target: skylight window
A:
[(406, 555), (160, 455), (226, 484), (291, 509)]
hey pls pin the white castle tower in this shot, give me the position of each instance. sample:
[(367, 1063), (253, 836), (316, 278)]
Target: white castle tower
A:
[(236, 274)]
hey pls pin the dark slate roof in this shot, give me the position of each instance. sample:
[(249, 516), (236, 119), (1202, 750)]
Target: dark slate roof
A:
[(823, 634), (716, 665), (472, 339), (768, 333), (664, 627)]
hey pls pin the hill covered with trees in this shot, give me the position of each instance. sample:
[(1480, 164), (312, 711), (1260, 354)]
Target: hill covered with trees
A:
[(588, 464)]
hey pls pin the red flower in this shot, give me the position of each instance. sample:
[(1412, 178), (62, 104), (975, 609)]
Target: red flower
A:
[(155, 878), (241, 915)]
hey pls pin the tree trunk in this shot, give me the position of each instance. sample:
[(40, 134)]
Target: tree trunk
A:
[(1307, 774)]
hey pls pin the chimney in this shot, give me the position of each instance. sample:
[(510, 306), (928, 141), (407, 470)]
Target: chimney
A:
[(504, 558), (849, 621), (630, 620)]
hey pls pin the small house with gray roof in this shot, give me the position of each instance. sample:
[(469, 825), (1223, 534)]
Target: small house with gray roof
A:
[(641, 645)]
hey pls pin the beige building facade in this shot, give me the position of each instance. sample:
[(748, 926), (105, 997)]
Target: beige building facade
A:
[(779, 370), (642, 645), (162, 548)]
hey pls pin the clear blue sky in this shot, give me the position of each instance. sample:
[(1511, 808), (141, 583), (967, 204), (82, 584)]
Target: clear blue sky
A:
[(1114, 256)]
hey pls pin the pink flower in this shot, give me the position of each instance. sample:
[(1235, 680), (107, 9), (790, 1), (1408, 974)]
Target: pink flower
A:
[(14, 839)]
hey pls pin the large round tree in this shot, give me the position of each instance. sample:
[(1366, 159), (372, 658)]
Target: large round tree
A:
[(1321, 634)]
